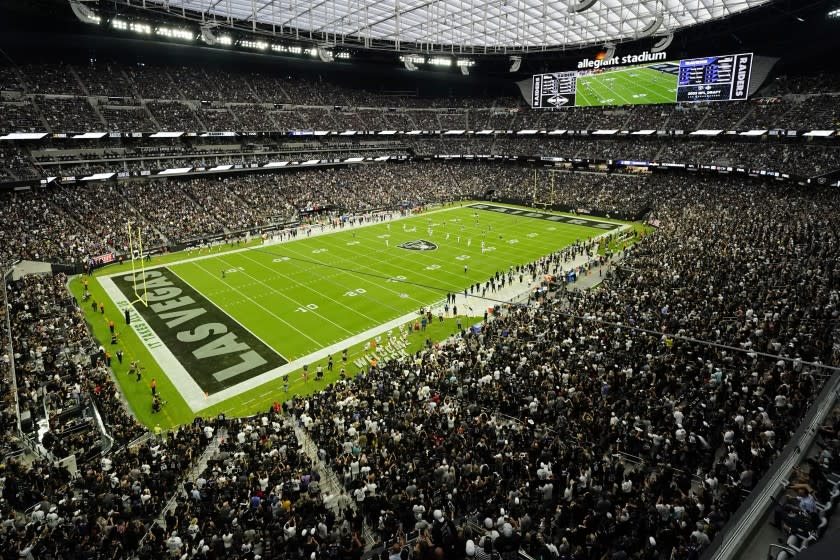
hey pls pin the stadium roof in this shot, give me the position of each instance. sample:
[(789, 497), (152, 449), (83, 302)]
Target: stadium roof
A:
[(465, 24)]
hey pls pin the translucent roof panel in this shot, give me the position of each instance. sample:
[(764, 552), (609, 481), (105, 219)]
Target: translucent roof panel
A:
[(516, 24)]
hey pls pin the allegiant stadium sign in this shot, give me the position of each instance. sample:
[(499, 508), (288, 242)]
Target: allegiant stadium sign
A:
[(600, 59)]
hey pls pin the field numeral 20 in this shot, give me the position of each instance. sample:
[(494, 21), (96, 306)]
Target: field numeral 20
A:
[(307, 308), (356, 292)]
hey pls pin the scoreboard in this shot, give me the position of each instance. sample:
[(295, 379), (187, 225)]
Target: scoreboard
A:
[(554, 90), (714, 78), (711, 78)]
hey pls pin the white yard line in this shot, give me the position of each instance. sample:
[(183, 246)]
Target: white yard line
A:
[(253, 301), (305, 286), (190, 390), (360, 277), (232, 318), (316, 231)]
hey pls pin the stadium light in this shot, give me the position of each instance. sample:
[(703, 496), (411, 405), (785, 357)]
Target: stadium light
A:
[(138, 27), (119, 24), (259, 45), (174, 33), (440, 61), (834, 14)]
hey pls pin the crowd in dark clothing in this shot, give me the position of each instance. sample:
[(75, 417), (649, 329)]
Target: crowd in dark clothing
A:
[(627, 421)]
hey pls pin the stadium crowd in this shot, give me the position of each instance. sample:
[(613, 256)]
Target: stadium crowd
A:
[(69, 224), (574, 427), (596, 423)]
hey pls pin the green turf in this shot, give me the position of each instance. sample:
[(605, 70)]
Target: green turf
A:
[(626, 86), (301, 296)]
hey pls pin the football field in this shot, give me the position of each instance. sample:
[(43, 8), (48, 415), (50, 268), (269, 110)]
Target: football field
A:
[(637, 85), (221, 326)]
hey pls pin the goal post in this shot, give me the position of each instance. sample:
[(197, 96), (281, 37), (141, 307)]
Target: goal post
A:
[(138, 263), (550, 198)]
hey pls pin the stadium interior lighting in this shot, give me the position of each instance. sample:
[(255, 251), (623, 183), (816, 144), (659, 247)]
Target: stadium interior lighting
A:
[(464, 62), (119, 24), (499, 26), (138, 27), (440, 61), (259, 45), (174, 33), (834, 14)]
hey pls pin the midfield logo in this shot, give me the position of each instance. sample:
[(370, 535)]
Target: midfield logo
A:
[(418, 245)]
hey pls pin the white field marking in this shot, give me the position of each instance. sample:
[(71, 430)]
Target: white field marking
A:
[(306, 287), (327, 231), (249, 298), (296, 364), (458, 284), (166, 361), (232, 318), (195, 397), (362, 277)]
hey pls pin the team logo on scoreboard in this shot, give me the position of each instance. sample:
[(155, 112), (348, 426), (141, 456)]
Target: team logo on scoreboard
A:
[(418, 245), (558, 100)]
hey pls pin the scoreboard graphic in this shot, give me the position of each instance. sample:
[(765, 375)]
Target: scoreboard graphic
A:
[(711, 78), (552, 91), (714, 78)]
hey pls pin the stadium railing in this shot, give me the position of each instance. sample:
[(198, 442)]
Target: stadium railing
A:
[(732, 539)]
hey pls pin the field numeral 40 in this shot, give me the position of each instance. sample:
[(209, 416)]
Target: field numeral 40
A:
[(356, 292), (307, 308)]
